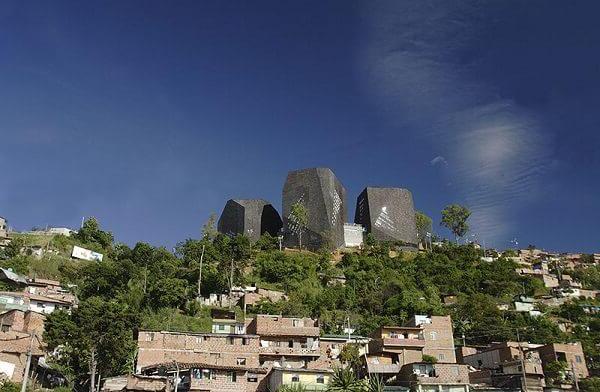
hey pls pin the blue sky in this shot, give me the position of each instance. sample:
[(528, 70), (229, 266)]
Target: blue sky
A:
[(150, 115)]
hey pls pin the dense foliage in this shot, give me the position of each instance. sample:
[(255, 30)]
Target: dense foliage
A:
[(153, 288)]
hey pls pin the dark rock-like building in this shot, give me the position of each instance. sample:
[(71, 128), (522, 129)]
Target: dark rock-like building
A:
[(324, 197), (388, 214), (250, 217)]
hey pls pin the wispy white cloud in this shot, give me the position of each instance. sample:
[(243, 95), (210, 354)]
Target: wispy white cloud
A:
[(413, 56), (439, 161)]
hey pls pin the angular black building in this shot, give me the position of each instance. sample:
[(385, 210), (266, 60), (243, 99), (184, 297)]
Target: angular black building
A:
[(324, 197), (250, 217), (388, 214)]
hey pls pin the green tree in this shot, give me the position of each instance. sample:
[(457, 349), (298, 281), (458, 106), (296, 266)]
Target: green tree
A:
[(96, 338), (9, 386), (90, 233), (299, 218), (423, 226), (455, 217), (13, 249), (591, 384), (209, 230), (555, 371)]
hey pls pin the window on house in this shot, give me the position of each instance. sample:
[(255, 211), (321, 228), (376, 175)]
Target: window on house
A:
[(207, 374), (252, 377), (441, 357), (297, 323), (295, 378), (221, 327), (244, 341), (455, 370), (231, 377), (320, 379), (206, 338), (291, 344), (199, 339), (150, 337), (230, 340), (241, 361), (433, 335), (578, 358)]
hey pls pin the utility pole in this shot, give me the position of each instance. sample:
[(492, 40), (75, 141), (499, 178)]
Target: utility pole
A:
[(176, 375), (523, 371), (231, 284), (200, 272), (92, 370), (28, 364), (575, 376)]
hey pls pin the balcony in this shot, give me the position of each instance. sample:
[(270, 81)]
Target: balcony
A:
[(397, 342)]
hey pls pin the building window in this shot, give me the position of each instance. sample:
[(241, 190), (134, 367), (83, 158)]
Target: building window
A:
[(441, 357), (320, 379), (150, 337), (291, 344), (578, 358), (455, 370), (230, 340), (244, 341), (206, 338), (231, 377), (202, 374), (221, 327), (433, 335), (241, 361), (199, 339), (252, 377), (295, 378)]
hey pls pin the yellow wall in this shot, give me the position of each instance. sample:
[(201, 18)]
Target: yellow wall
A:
[(306, 379)]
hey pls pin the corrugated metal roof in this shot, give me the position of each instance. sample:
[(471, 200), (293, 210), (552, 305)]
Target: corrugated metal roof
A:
[(14, 276)]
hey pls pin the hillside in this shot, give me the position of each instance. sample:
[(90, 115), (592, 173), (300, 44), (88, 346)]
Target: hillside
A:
[(151, 288)]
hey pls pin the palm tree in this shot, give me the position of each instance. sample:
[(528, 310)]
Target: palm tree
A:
[(344, 380), (375, 384), (292, 388)]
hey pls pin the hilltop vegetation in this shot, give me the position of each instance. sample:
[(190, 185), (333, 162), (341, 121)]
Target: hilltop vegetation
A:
[(150, 287)]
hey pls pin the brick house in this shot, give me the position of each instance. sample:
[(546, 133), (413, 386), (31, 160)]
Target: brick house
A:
[(286, 341), (13, 353), (500, 365), (22, 321), (433, 377), (207, 362), (231, 361), (393, 347), (571, 353)]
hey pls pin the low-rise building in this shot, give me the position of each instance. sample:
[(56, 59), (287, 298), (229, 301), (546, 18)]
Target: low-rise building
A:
[(569, 353), (391, 347), (434, 377), (502, 365), (310, 379), (286, 341), (13, 353), (3, 228), (17, 320)]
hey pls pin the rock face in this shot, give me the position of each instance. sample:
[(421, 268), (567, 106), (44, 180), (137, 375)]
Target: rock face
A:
[(388, 214), (250, 217), (324, 197)]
